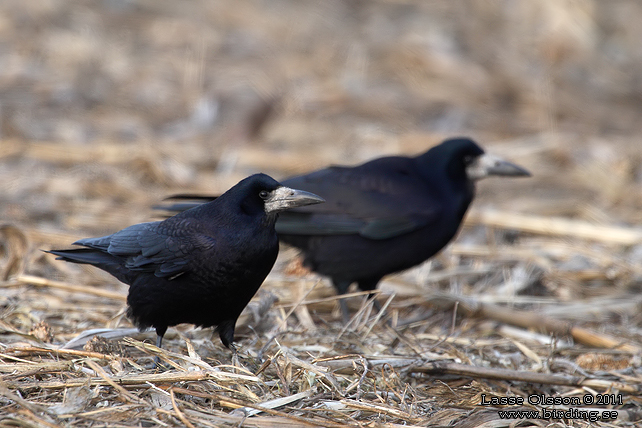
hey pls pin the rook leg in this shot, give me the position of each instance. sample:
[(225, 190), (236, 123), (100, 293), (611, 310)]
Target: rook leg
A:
[(342, 288), (160, 332)]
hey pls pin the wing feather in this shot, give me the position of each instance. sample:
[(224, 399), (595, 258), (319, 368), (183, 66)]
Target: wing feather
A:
[(377, 200), (159, 247)]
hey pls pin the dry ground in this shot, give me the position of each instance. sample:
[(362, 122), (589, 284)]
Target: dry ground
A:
[(108, 106)]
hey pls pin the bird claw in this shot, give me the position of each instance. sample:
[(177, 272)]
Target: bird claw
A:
[(159, 365), (235, 356)]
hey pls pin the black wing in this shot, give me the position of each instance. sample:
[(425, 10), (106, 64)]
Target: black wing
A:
[(378, 200), (164, 248)]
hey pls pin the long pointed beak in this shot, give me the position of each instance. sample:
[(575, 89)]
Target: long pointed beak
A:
[(487, 165), (285, 198)]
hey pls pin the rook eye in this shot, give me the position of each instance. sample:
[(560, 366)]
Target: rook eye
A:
[(264, 194)]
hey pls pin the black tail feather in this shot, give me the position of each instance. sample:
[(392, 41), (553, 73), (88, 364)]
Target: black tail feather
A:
[(187, 196), (105, 261), (191, 201), (85, 256)]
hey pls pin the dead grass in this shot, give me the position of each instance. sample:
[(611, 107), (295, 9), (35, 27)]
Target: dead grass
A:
[(108, 107)]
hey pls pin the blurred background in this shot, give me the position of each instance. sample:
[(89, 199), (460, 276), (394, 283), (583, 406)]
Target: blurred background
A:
[(108, 106)]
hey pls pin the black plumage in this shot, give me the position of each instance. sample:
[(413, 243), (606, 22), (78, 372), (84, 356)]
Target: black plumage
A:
[(201, 266), (385, 215)]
